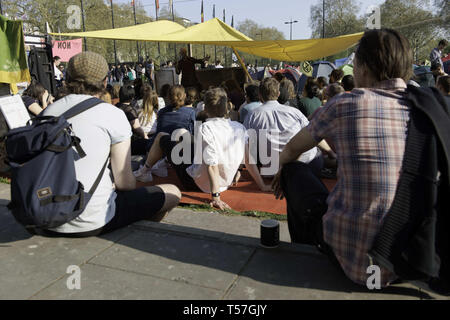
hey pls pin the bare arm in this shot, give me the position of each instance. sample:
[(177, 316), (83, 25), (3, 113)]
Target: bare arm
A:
[(121, 166), (35, 108), (213, 174), (138, 129), (254, 172)]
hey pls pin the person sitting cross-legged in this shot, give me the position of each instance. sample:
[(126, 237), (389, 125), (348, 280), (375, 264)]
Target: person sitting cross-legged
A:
[(211, 164)]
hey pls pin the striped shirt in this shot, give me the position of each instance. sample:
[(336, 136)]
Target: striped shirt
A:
[(368, 128)]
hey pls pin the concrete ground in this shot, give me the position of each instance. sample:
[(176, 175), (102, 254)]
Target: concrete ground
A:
[(189, 255)]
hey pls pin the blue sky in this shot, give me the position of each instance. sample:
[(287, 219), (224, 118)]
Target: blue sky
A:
[(269, 13)]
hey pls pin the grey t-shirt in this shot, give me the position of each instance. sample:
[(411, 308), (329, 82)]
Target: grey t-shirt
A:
[(98, 128)]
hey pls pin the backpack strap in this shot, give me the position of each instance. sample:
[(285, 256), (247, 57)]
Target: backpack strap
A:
[(99, 178), (76, 110), (81, 107)]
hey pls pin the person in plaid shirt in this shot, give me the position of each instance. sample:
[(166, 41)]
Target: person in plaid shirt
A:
[(368, 127)]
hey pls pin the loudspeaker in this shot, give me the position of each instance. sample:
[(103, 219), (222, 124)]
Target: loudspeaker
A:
[(215, 77), (165, 76), (40, 64)]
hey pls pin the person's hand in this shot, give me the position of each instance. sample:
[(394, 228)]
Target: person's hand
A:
[(276, 187), (51, 99), (219, 204), (44, 98)]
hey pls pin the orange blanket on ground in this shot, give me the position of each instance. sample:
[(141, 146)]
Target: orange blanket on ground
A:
[(246, 196)]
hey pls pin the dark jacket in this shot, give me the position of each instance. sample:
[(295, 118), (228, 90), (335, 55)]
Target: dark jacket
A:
[(414, 239)]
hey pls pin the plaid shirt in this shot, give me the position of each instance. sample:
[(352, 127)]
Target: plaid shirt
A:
[(368, 128)]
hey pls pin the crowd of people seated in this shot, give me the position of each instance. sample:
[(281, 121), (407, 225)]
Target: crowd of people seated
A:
[(359, 120)]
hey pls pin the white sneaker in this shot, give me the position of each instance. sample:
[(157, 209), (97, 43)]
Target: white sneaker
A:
[(143, 174), (160, 169)]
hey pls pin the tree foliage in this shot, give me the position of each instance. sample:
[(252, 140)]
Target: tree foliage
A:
[(423, 22)]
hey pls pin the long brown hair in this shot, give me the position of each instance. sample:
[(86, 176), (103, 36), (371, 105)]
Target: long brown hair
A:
[(150, 104), (177, 96)]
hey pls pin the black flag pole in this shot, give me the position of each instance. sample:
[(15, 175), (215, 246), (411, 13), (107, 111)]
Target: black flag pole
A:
[(112, 21)]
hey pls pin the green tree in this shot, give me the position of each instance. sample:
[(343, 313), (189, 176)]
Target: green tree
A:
[(340, 19), (420, 26), (258, 32)]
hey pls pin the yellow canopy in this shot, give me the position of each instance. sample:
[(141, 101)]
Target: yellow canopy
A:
[(141, 32), (299, 50), (216, 32)]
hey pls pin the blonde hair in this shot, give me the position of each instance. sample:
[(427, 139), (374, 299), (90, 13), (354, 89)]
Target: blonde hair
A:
[(105, 96), (150, 104)]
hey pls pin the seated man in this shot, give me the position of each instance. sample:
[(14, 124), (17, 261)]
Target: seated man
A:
[(369, 129), (211, 164), (105, 133), (277, 124)]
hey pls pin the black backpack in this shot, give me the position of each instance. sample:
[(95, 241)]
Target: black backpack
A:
[(45, 192)]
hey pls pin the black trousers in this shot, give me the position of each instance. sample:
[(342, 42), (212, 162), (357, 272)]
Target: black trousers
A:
[(131, 206), (186, 180), (306, 197)]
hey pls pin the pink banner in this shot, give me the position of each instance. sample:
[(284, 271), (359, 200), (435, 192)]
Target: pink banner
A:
[(67, 49)]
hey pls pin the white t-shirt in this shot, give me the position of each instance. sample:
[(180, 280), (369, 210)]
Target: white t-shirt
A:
[(58, 73), (161, 103), (282, 124), (98, 128), (150, 127), (223, 144)]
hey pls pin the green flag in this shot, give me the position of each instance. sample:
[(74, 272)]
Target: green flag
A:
[(13, 60)]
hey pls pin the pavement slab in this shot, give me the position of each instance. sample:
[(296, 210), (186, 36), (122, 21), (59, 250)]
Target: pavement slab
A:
[(189, 255), (207, 263), (100, 283)]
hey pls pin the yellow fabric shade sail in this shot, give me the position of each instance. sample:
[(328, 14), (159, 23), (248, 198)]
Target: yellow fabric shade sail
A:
[(299, 50), (141, 32), (216, 32)]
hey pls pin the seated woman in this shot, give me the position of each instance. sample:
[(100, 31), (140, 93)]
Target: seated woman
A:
[(36, 98), (146, 116), (172, 117), (213, 165), (176, 115), (310, 101), (287, 93)]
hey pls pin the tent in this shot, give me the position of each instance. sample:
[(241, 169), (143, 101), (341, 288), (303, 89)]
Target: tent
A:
[(340, 62), (216, 32)]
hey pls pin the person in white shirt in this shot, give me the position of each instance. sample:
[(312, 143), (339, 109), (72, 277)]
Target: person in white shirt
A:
[(212, 164), (218, 65), (58, 74), (148, 114), (278, 124)]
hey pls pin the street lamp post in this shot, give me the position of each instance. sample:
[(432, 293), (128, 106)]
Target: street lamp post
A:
[(290, 23)]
